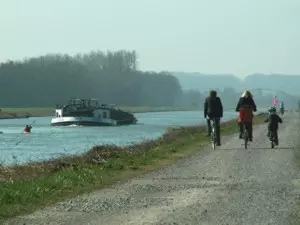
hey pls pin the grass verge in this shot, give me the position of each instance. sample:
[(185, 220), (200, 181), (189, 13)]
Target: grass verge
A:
[(28, 187), (22, 112)]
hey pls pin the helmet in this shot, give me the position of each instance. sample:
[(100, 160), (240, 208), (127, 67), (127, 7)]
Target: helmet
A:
[(272, 109)]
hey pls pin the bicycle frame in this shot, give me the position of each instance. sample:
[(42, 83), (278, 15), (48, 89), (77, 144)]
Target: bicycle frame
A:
[(246, 131)]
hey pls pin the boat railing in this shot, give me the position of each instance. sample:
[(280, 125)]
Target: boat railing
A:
[(87, 104)]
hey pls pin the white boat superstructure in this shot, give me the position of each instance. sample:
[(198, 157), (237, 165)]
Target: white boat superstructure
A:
[(88, 112)]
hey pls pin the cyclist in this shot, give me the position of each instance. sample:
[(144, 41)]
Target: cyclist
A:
[(273, 120), (245, 107), (281, 108), (213, 109)]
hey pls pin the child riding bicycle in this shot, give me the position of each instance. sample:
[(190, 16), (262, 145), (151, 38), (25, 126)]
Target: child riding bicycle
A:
[(273, 119)]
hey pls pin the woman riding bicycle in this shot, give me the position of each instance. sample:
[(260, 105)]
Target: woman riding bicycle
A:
[(246, 106)]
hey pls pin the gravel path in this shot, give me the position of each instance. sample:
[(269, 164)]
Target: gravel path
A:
[(230, 186)]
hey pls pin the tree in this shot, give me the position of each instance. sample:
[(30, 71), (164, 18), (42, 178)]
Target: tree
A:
[(111, 77)]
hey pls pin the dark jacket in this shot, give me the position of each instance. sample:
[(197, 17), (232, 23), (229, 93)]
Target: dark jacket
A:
[(213, 107), (273, 119), (245, 103)]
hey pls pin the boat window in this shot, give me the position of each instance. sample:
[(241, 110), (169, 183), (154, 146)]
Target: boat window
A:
[(104, 115), (56, 114)]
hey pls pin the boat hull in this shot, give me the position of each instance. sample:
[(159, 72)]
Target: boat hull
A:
[(87, 121), (80, 123)]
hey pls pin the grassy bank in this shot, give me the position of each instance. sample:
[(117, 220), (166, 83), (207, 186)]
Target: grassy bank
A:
[(20, 112), (25, 188)]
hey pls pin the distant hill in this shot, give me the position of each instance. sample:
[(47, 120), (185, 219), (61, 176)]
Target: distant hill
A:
[(287, 83), (203, 82)]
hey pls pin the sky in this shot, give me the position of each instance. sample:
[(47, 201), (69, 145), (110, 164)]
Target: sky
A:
[(239, 37)]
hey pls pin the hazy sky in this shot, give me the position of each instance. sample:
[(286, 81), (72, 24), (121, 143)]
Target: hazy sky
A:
[(209, 36)]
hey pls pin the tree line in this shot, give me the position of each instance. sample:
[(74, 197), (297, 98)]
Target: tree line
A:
[(111, 77)]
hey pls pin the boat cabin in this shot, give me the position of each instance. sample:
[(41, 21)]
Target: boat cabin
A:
[(83, 108)]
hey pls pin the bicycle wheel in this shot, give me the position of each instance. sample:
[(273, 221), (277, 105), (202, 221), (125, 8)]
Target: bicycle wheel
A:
[(246, 138), (213, 136), (213, 142), (272, 140)]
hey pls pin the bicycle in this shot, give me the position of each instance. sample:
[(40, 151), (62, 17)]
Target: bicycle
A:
[(213, 133)]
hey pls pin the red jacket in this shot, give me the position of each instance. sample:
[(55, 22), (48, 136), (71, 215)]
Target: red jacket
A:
[(245, 107), (245, 115)]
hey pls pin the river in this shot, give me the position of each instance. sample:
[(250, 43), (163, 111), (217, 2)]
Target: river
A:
[(48, 142)]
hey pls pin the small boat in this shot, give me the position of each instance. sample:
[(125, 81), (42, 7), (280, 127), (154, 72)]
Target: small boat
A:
[(89, 112)]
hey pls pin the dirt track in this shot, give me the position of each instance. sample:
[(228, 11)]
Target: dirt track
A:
[(230, 186)]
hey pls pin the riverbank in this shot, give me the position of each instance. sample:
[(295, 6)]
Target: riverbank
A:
[(28, 187), (14, 113)]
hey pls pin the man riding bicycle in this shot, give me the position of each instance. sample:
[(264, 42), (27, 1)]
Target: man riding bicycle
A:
[(246, 106), (213, 109)]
